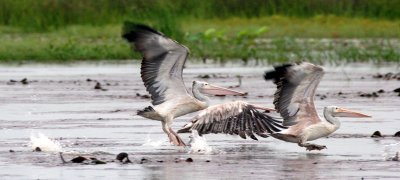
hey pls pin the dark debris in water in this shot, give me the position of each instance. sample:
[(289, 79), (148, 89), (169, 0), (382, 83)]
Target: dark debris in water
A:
[(376, 134), (144, 160), (37, 149), (99, 87), (78, 159), (145, 96), (387, 76), (397, 134), (123, 157), (23, 81), (369, 95)]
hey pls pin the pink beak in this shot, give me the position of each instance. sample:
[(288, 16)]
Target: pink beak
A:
[(216, 90), (347, 113)]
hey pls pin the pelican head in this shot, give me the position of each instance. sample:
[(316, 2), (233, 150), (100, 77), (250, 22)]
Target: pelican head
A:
[(204, 87), (341, 112)]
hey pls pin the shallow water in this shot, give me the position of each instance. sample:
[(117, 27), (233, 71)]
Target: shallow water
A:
[(61, 103)]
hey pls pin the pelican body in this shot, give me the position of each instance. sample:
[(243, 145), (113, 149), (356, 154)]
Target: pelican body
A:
[(161, 71), (294, 100)]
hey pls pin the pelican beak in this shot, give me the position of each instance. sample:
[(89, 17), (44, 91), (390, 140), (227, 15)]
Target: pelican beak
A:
[(216, 90), (341, 112)]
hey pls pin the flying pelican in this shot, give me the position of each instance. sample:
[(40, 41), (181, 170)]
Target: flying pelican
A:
[(161, 72), (294, 101)]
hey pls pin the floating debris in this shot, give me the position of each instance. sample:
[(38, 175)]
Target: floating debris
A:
[(189, 160), (11, 151), (397, 134), (206, 76), (89, 80), (381, 91), (369, 95), (397, 90), (78, 159), (322, 97), (144, 160), (24, 81), (123, 156), (376, 134), (37, 149), (98, 86), (145, 96), (96, 161), (387, 76)]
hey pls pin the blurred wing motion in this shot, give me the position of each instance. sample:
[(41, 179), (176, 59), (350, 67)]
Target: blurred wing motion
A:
[(294, 98), (163, 61), (239, 118)]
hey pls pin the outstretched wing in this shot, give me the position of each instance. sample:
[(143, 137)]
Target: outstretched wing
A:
[(294, 97), (239, 118), (162, 64)]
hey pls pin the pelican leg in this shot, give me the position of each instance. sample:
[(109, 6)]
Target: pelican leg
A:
[(173, 137), (178, 139), (310, 147)]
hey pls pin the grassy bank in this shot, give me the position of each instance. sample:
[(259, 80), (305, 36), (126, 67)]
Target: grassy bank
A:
[(283, 39), (45, 15), (271, 30)]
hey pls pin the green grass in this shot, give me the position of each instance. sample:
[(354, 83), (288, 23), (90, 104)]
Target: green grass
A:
[(87, 42), (47, 15), (63, 31)]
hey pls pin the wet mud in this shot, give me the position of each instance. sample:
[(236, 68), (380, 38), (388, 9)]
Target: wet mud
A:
[(89, 109)]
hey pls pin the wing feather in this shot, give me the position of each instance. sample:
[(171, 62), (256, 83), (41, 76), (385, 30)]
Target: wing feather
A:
[(162, 64), (238, 117), (294, 97)]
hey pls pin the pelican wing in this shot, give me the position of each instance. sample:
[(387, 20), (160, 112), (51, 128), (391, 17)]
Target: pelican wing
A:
[(239, 118), (294, 97), (162, 64)]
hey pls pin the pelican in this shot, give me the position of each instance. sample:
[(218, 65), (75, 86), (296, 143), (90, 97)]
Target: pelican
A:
[(161, 72), (294, 101)]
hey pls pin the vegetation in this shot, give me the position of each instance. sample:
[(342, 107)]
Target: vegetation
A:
[(272, 30)]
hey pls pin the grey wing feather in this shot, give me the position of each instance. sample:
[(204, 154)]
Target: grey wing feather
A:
[(294, 97), (162, 64), (239, 118)]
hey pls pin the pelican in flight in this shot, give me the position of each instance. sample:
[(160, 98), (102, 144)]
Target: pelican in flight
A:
[(294, 101), (161, 72)]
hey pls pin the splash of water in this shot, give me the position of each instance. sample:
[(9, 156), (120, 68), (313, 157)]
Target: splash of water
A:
[(389, 152), (198, 144), (153, 143), (44, 143)]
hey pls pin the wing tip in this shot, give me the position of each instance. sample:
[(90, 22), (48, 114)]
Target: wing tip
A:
[(131, 31)]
